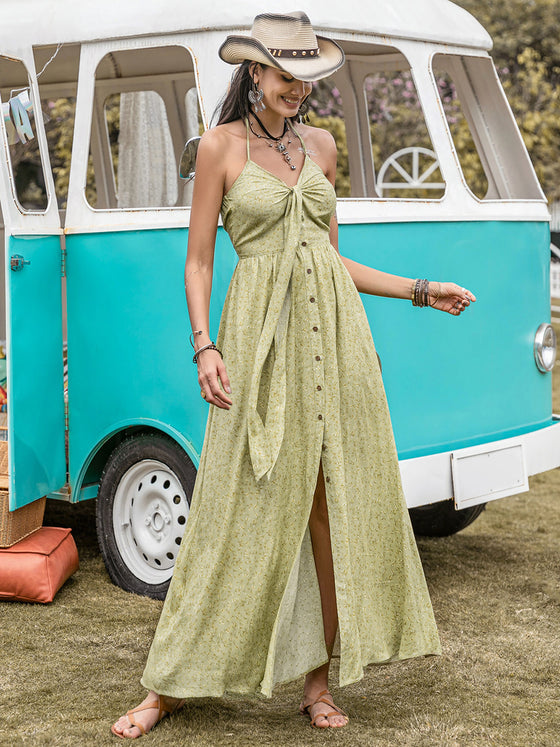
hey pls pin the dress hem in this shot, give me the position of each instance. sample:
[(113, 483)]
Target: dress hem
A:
[(260, 694)]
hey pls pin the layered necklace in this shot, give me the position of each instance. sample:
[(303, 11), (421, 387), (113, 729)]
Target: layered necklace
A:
[(275, 142)]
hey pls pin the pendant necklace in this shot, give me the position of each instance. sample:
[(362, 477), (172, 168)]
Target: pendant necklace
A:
[(275, 142)]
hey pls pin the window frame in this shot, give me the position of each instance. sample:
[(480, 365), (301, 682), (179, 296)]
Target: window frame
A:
[(458, 203), (495, 145), (80, 215), (13, 210)]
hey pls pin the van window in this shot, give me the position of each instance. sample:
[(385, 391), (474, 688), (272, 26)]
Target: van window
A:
[(405, 163), (143, 115), (326, 111), (59, 128), (28, 181), (142, 157), (372, 109), (486, 140)]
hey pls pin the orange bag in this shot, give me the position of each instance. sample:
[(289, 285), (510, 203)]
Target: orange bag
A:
[(35, 568)]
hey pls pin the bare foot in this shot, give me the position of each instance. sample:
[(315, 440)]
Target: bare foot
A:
[(322, 711), (144, 717)]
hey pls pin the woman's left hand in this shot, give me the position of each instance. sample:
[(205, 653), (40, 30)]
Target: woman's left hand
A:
[(450, 297)]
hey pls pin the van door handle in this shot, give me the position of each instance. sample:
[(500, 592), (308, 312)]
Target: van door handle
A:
[(17, 262)]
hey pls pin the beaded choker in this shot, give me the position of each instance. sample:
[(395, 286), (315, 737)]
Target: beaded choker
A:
[(275, 142)]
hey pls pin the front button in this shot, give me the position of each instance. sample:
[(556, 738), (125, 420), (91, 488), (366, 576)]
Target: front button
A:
[(327, 479), (317, 357), (309, 272), (315, 329), (320, 417), (312, 300), (304, 243), (319, 387)]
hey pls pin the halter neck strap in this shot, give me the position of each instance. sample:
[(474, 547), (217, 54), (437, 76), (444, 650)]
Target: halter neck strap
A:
[(293, 129)]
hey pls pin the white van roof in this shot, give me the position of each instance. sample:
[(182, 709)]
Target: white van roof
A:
[(47, 22)]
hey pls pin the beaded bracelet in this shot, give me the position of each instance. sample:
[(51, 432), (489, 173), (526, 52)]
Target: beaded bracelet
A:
[(210, 346)]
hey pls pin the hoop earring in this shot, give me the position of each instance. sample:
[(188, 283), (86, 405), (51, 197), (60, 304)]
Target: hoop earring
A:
[(256, 98)]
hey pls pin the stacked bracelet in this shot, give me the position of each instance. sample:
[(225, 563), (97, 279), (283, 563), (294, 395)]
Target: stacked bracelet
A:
[(192, 335), (210, 346), (420, 293)]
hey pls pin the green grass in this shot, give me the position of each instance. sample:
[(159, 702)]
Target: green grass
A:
[(68, 669)]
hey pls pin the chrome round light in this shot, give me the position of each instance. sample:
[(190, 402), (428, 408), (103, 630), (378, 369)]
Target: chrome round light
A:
[(545, 347)]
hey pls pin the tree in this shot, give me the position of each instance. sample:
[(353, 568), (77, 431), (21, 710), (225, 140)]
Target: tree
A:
[(515, 25)]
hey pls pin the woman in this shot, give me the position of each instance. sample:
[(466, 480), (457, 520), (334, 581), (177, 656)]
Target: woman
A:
[(298, 527)]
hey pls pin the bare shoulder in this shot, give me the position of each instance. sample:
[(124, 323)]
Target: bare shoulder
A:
[(321, 148), (217, 142), (317, 139)]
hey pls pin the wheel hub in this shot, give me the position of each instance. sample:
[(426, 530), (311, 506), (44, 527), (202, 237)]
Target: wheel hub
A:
[(150, 513), (157, 520)]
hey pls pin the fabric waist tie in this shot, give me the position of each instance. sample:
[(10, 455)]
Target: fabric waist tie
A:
[(265, 437)]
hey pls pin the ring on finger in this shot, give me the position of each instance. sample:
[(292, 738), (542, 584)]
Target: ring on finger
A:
[(203, 394)]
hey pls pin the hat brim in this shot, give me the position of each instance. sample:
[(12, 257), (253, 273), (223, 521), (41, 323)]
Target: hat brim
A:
[(237, 49)]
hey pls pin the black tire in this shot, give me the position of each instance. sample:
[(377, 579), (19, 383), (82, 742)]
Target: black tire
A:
[(142, 508), (442, 519)]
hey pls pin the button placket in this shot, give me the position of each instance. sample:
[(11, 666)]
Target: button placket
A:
[(315, 338)]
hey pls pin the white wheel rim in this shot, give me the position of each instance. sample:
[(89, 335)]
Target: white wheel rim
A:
[(150, 511)]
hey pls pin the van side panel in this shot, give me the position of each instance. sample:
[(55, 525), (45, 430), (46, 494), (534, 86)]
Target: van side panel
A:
[(454, 382), (450, 382), (35, 369), (129, 356)]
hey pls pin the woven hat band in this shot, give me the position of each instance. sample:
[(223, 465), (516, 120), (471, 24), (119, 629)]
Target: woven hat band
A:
[(295, 53)]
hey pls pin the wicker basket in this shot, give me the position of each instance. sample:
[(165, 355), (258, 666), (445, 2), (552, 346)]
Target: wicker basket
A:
[(15, 525), (3, 465)]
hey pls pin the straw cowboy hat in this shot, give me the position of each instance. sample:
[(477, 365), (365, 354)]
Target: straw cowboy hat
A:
[(288, 43)]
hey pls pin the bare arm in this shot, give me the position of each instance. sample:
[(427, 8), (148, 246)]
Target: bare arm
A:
[(443, 296), (206, 202)]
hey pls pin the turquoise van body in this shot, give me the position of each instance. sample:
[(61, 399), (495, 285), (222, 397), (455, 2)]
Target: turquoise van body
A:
[(130, 357)]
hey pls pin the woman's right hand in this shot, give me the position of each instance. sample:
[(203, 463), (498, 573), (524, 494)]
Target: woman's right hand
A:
[(213, 379)]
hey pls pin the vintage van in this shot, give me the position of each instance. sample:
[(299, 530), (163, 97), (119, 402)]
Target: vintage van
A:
[(95, 245)]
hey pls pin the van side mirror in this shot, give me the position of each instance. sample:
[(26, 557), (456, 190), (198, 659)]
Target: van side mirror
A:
[(188, 159)]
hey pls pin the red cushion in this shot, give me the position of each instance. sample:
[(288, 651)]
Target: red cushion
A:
[(35, 568)]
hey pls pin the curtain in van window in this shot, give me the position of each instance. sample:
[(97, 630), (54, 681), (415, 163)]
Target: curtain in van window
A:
[(146, 173)]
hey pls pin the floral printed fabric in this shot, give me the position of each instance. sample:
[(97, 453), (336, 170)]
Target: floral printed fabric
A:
[(243, 610)]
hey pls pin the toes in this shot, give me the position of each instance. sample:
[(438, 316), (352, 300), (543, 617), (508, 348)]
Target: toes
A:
[(124, 728), (337, 721), (322, 722), (132, 732), (120, 725)]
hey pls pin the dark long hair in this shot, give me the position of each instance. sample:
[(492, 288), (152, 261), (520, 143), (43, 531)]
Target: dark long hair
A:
[(235, 104)]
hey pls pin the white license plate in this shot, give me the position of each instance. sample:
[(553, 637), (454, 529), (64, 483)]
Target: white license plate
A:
[(481, 474)]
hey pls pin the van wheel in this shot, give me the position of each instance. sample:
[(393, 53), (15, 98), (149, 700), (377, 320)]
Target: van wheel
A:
[(441, 519), (142, 508)]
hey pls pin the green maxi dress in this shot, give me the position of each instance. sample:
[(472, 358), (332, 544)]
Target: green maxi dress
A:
[(243, 609)]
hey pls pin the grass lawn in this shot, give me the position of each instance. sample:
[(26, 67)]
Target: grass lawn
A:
[(68, 669)]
